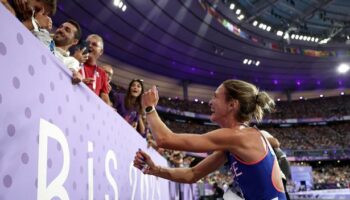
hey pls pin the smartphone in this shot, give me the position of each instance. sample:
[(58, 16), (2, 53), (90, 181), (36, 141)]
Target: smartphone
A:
[(83, 44)]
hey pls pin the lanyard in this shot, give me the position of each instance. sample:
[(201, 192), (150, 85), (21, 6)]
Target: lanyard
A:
[(95, 76)]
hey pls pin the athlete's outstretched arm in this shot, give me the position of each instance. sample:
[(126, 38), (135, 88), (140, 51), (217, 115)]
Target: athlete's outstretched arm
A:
[(184, 175)]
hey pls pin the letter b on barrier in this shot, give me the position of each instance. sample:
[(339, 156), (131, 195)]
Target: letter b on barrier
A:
[(55, 188)]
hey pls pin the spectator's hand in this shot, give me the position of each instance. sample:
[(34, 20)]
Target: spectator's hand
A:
[(143, 162), (77, 78), (134, 124), (88, 80), (150, 98), (43, 20), (109, 88), (80, 56)]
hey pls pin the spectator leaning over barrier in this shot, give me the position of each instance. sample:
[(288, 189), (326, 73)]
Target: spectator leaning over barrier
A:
[(67, 35), (94, 76), (40, 10), (35, 15)]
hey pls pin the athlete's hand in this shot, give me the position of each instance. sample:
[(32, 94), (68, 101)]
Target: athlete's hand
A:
[(150, 97), (143, 162)]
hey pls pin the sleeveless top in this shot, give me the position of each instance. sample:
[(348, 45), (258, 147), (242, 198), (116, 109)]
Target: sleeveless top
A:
[(255, 179)]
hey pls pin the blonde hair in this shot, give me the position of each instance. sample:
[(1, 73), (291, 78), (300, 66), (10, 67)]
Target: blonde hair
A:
[(252, 103)]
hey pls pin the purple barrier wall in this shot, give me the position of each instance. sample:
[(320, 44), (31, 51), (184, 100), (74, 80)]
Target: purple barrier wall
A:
[(58, 140)]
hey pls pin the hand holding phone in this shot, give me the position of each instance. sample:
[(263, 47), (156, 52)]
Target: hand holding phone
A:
[(83, 46), (81, 52)]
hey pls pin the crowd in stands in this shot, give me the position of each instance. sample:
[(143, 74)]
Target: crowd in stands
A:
[(331, 177), (326, 107), (188, 127), (214, 185), (183, 105), (328, 175), (313, 137), (305, 137)]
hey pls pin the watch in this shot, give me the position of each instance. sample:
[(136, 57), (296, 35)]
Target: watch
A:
[(149, 109)]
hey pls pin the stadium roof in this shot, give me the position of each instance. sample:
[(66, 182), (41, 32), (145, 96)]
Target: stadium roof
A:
[(204, 42)]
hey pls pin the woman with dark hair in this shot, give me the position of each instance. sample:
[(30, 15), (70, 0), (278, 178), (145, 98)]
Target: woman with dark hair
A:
[(129, 105), (253, 164)]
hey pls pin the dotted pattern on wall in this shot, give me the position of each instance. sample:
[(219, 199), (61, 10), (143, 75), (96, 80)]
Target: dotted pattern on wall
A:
[(35, 85)]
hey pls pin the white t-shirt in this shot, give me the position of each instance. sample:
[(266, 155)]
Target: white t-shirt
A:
[(68, 61)]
